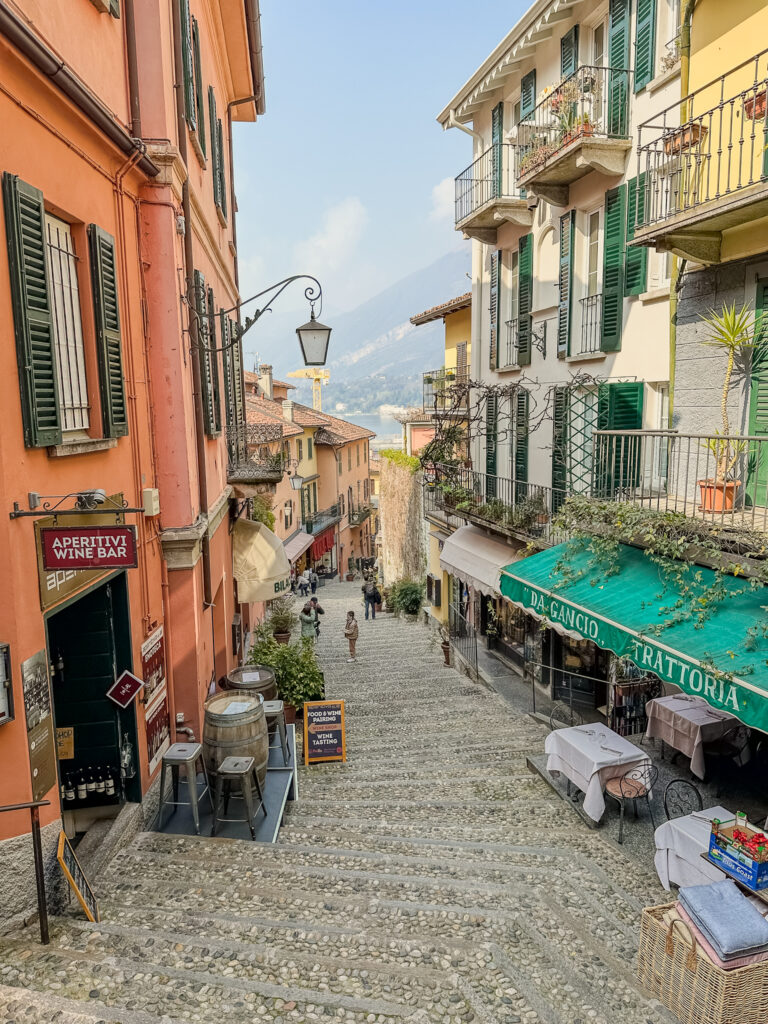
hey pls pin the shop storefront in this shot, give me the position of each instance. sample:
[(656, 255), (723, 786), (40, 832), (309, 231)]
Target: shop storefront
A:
[(323, 553)]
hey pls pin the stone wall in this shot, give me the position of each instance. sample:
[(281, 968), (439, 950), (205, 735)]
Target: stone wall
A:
[(401, 511)]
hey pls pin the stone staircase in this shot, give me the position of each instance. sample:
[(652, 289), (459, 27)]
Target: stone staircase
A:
[(429, 879)]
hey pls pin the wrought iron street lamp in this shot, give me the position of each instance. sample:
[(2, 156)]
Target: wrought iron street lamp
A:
[(313, 338)]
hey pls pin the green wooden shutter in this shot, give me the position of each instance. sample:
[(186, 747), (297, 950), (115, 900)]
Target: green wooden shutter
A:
[(106, 306), (190, 111), (33, 323), (497, 137), (527, 94), (212, 120), (645, 42), (636, 263), (199, 100), (213, 364), (203, 335), (237, 374), (222, 165), (226, 369), (524, 299), (569, 52), (618, 82), (757, 463), (559, 446), (521, 443), (491, 444), (619, 407), (613, 269), (495, 297), (567, 222)]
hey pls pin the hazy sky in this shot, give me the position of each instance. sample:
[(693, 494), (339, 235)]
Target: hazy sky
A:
[(348, 176)]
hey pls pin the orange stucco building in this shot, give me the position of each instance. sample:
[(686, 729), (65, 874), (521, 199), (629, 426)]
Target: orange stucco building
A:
[(122, 375)]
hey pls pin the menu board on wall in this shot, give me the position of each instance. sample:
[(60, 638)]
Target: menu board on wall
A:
[(153, 664), (158, 725), (40, 734)]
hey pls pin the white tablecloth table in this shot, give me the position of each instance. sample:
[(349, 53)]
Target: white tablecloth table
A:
[(679, 845), (589, 755), (687, 723)]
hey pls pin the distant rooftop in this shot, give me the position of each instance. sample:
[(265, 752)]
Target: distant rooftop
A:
[(438, 312)]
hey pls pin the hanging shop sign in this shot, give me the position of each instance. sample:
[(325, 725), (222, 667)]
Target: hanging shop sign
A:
[(89, 547), (158, 727), (324, 735), (125, 689), (66, 580), (75, 875), (153, 664), (40, 734)]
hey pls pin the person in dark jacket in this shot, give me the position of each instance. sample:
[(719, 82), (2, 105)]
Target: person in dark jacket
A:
[(369, 594), (317, 611)]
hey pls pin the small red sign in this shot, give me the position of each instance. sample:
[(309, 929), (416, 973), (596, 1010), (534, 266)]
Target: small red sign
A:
[(89, 547), (125, 689)]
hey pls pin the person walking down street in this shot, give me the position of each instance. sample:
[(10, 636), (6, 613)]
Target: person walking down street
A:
[(351, 633), (307, 619), (317, 612), (314, 579), (369, 595), (304, 584)]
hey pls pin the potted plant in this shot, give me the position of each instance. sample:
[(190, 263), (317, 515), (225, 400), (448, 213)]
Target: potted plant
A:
[(732, 331), (282, 619), (492, 627), (754, 106), (684, 138), (407, 597), (297, 673)]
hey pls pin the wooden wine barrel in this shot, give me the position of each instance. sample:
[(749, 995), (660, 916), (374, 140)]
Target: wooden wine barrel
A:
[(255, 679), (235, 726)]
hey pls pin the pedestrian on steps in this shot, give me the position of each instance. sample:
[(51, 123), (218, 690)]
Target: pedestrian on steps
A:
[(369, 596), (314, 579), (307, 619), (351, 633), (317, 611)]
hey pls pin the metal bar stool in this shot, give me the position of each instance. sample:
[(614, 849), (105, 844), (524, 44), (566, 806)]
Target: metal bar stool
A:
[(233, 769), (274, 710), (186, 756)]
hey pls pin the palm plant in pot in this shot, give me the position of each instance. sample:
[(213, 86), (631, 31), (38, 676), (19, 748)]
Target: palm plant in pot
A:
[(282, 619), (733, 332)]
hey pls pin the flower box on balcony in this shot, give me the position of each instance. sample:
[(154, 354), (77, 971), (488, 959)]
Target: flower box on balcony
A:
[(684, 138), (754, 106)]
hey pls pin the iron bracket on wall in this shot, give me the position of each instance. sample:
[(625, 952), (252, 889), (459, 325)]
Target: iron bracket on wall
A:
[(237, 509), (86, 503)]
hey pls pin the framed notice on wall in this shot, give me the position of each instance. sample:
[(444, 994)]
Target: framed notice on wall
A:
[(324, 736), (40, 735)]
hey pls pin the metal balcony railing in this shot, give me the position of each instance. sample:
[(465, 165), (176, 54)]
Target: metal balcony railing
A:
[(254, 453), (316, 522), (357, 516), (463, 637), (493, 176), (707, 147), (508, 506), (721, 479), (591, 323), (510, 353), (593, 102), (444, 390)]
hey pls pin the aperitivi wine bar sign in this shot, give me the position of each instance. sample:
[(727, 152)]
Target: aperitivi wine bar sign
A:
[(89, 547)]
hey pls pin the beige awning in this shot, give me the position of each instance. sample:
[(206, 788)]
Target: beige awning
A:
[(259, 563), (296, 546), (477, 559)]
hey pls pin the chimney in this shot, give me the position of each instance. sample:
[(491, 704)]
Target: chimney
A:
[(265, 380), (288, 411)]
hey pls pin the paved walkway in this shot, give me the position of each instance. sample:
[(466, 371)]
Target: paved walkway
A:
[(430, 879)]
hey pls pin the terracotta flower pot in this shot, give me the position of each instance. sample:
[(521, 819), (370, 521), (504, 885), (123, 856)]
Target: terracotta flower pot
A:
[(350, 577), (718, 495), (290, 714), (282, 638)]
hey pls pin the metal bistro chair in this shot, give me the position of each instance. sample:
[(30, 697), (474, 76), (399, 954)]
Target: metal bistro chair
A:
[(681, 798), (635, 784)]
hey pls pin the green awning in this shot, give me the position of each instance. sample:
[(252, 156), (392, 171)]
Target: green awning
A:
[(619, 612)]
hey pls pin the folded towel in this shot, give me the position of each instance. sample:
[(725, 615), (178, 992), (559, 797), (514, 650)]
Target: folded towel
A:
[(708, 948), (727, 919)]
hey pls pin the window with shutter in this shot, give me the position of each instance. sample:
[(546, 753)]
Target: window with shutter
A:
[(569, 52), (618, 55), (559, 446), (645, 42), (757, 467), (199, 101), (67, 327), (524, 299), (206, 385), (236, 354), (108, 341), (619, 407), (437, 592), (613, 269), (527, 94), (226, 369), (497, 137), (491, 444), (213, 362), (566, 284), (495, 295), (31, 301), (212, 123), (520, 451), (188, 58), (636, 262)]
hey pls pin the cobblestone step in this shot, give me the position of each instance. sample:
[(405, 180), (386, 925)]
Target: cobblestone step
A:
[(25, 1006)]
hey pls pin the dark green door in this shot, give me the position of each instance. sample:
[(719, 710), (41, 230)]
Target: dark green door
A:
[(757, 484), (491, 445), (497, 133), (89, 641)]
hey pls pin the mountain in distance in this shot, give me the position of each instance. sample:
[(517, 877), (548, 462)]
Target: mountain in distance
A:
[(376, 356)]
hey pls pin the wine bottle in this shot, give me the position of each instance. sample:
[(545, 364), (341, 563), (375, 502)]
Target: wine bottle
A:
[(109, 782), (69, 789), (90, 782), (100, 784), (82, 789)]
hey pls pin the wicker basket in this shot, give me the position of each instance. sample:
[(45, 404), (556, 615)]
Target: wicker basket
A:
[(685, 980)]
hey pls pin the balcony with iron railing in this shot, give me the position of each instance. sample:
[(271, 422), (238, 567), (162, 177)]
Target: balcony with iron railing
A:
[(514, 508), (487, 194), (580, 125), (254, 454), (703, 165), (591, 307), (359, 514), (509, 351), (444, 391), (720, 479), (316, 522)]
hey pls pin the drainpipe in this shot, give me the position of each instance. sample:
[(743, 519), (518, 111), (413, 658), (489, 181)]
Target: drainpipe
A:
[(129, 15), (675, 276), (194, 333), (453, 123)]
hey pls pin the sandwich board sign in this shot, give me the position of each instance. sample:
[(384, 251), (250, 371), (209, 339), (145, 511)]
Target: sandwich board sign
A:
[(324, 736), (75, 875)]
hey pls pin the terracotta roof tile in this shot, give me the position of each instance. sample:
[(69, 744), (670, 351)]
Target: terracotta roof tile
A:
[(261, 410), (438, 312)]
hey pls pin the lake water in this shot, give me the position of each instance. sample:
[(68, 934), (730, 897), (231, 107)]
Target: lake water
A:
[(389, 433)]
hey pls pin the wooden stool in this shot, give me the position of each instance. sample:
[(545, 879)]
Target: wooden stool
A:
[(186, 756), (232, 769), (274, 710)]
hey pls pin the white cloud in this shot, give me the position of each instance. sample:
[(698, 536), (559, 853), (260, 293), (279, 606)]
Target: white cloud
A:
[(442, 200), (333, 246)]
